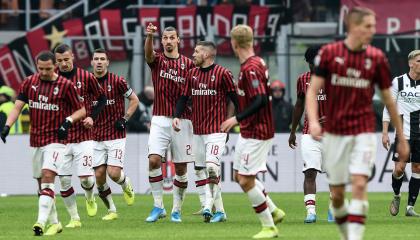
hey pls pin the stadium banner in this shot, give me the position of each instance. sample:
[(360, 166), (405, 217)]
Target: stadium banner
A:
[(193, 23), (391, 16), (284, 168)]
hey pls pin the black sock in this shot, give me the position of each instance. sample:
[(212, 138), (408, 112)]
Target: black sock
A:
[(396, 184), (413, 190)]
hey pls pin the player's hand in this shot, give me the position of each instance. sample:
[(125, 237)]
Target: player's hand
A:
[(121, 124), (315, 130), (403, 150), (88, 122), (64, 130), (4, 133), (175, 124), (292, 140), (385, 141), (151, 29), (228, 124)]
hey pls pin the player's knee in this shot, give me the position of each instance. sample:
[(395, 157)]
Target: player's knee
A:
[(87, 182), (180, 169), (114, 173), (236, 176), (65, 183), (213, 170), (154, 161), (310, 175)]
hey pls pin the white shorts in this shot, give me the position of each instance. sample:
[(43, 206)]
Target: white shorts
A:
[(111, 153), (251, 155), (81, 154), (311, 153), (208, 148), (48, 157), (348, 155), (162, 135)]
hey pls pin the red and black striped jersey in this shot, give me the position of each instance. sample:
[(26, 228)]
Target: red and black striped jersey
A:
[(168, 77), (90, 90), (208, 88), (116, 90), (253, 81), (350, 77), (303, 83), (50, 102)]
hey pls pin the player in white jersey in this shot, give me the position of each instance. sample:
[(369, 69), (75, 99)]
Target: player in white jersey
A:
[(406, 91)]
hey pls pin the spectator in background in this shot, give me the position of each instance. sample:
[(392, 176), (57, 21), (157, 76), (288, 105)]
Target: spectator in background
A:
[(282, 109), (140, 121), (7, 98)]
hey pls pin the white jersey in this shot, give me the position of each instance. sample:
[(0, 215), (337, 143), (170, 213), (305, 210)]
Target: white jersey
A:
[(406, 93)]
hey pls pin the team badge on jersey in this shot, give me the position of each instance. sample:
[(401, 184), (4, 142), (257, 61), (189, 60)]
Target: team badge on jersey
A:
[(56, 90), (109, 88), (78, 84), (255, 83), (182, 66), (212, 78), (368, 63)]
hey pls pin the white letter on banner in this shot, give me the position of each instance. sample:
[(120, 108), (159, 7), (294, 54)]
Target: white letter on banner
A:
[(7, 60), (108, 41), (28, 62), (125, 22), (81, 50), (273, 21), (392, 26), (97, 27), (189, 31), (218, 18)]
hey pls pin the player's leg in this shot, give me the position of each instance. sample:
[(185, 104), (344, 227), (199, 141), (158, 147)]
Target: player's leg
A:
[(397, 180), (159, 138), (362, 160), (66, 189), (309, 191), (336, 162), (180, 185), (83, 153), (199, 154), (414, 184)]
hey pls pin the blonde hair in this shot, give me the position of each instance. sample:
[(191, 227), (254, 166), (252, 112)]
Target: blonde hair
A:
[(243, 35), (413, 54), (356, 15)]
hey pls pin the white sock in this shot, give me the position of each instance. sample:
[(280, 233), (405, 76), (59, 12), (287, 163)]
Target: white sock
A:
[(88, 184), (179, 190), (259, 204), (200, 185), (105, 194), (310, 201), (156, 183), (218, 201), (212, 189), (271, 205), (45, 202), (356, 219), (53, 217), (69, 198), (123, 181), (340, 215)]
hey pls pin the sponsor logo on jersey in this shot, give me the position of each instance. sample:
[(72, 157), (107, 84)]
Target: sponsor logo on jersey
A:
[(203, 91), (171, 75), (43, 104)]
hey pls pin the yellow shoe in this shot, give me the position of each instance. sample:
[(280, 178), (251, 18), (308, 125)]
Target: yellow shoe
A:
[(91, 207), (38, 229), (278, 215), (53, 229), (267, 232), (129, 194), (74, 224), (110, 216)]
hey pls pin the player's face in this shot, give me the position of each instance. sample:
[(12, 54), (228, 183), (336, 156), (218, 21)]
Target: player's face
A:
[(45, 69), (170, 41), (64, 61), (366, 29), (415, 65), (198, 56), (100, 63)]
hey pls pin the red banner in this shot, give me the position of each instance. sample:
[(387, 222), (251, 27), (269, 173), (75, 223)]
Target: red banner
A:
[(391, 16)]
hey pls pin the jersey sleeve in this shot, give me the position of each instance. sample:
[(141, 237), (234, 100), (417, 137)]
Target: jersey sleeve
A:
[(155, 62), (256, 82), (73, 97), (94, 87), (228, 83), (383, 72), (394, 91), (123, 87), (186, 88), (321, 62), (23, 91), (300, 91)]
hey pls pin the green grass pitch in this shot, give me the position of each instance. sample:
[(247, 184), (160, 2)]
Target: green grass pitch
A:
[(18, 214)]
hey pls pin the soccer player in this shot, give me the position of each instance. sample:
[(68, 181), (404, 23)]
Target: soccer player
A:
[(54, 105), (348, 70), (169, 70), (209, 85), (257, 129), (406, 91), (79, 148), (110, 132), (310, 148)]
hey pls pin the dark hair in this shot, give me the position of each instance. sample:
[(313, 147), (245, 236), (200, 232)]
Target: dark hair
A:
[(45, 56), (170, 29), (101, 50), (311, 53), (207, 44), (62, 48)]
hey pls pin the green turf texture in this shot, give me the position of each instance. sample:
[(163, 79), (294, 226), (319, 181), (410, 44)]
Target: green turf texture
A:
[(19, 213)]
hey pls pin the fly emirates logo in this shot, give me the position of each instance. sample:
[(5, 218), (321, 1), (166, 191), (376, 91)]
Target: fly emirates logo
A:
[(43, 104), (203, 91), (171, 75), (352, 79)]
